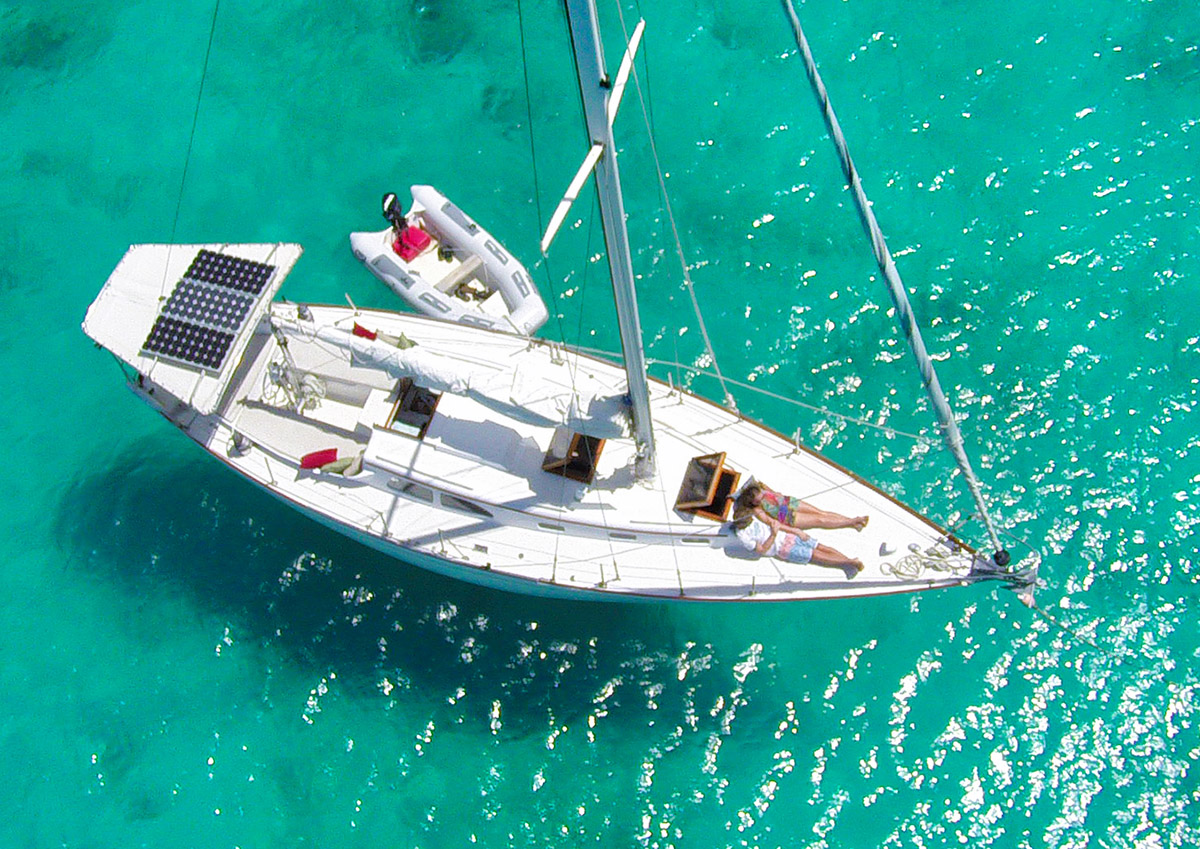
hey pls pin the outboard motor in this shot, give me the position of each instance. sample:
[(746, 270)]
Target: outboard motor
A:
[(393, 212)]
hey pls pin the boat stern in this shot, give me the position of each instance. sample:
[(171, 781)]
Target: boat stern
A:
[(183, 315)]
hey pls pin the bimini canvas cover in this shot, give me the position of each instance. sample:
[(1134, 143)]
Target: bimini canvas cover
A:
[(508, 390)]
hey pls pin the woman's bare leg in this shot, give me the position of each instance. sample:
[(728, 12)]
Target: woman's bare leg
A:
[(811, 517)]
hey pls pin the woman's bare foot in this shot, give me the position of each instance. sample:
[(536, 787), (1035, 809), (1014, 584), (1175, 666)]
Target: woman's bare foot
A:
[(853, 568)]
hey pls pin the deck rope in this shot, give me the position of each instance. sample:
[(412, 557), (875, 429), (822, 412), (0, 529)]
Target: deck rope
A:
[(918, 561)]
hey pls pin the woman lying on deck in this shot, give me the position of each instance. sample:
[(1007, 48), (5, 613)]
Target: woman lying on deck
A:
[(765, 534), (793, 512)]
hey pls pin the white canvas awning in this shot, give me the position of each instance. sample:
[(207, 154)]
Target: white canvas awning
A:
[(507, 389)]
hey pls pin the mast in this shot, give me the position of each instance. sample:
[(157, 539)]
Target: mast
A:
[(594, 88)]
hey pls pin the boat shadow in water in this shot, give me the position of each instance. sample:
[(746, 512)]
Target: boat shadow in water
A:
[(159, 523)]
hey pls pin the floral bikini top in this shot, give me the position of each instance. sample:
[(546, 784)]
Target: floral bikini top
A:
[(777, 506)]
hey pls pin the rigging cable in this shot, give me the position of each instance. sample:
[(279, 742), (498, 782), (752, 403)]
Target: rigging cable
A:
[(683, 262), (887, 266), (758, 390), (662, 187), (543, 261), (212, 30)]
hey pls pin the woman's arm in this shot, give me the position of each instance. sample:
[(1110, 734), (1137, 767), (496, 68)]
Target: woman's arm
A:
[(776, 525)]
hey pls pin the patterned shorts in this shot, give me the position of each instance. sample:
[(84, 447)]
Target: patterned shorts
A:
[(795, 550)]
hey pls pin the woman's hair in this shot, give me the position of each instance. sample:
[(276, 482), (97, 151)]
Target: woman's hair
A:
[(744, 504)]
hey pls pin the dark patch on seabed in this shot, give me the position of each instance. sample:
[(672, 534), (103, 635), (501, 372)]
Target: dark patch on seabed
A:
[(10, 248), (65, 166), (434, 31), (34, 39), (27, 42), (730, 27), (503, 105), (182, 524)]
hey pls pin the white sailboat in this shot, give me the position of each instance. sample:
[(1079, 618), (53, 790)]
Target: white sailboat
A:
[(486, 455)]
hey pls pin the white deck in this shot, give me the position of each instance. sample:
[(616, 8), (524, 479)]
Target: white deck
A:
[(614, 536)]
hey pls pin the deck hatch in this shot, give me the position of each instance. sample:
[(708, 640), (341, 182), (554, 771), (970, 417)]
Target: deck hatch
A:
[(463, 506)]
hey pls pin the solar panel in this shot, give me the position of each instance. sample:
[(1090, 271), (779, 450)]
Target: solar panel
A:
[(188, 343), (206, 310), (214, 305), (232, 272)]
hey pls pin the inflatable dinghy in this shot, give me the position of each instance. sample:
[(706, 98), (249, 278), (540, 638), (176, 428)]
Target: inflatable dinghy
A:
[(446, 266)]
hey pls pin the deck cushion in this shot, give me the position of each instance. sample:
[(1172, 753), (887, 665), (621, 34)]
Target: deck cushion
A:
[(316, 459)]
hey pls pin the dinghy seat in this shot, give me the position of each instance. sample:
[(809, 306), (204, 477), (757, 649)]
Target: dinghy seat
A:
[(460, 273), (412, 243)]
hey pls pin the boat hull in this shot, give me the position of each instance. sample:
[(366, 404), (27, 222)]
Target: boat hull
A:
[(659, 566), (548, 589)]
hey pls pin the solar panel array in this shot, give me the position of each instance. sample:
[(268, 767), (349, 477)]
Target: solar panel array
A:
[(188, 343), (206, 310)]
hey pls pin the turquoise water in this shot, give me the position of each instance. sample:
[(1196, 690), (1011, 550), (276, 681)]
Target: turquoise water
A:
[(188, 663)]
